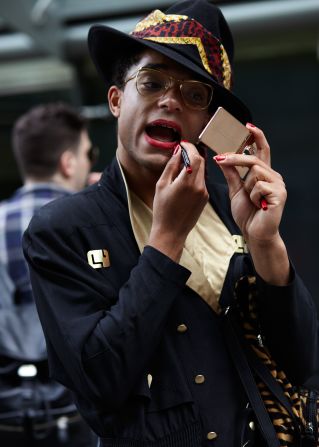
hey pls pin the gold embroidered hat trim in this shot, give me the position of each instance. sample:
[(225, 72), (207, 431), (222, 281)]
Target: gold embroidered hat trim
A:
[(157, 17)]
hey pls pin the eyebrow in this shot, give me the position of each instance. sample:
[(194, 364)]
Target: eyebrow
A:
[(156, 66)]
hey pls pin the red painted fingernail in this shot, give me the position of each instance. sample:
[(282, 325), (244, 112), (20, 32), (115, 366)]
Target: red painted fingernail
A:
[(264, 204), (251, 125), (184, 141), (176, 149), (189, 169), (219, 157)]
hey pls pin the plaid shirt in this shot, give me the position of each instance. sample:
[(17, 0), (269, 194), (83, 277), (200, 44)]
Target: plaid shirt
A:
[(15, 215)]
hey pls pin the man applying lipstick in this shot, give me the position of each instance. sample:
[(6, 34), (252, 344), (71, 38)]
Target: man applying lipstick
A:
[(132, 276), (146, 142)]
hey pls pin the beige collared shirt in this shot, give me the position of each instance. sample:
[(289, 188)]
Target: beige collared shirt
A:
[(207, 250)]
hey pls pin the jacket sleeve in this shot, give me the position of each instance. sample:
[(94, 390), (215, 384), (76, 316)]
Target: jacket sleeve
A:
[(289, 323), (99, 339), (287, 314)]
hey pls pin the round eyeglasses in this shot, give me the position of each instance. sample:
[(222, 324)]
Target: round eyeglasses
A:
[(153, 83)]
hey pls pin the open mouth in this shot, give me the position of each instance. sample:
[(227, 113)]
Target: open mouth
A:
[(163, 132)]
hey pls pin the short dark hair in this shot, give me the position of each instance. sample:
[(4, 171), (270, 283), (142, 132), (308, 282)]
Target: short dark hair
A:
[(41, 135), (123, 64)]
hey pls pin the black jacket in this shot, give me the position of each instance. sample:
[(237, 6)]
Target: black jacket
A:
[(110, 331)]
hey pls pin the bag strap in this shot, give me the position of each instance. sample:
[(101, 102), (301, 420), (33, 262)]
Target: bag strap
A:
[(240, 361), (265, 375), (309, 435)]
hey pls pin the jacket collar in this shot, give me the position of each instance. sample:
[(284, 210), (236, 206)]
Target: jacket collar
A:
[(112, 180)]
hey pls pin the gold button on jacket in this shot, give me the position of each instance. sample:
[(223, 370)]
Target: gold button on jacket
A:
[(182, 328), (211, 435), (199, 379)]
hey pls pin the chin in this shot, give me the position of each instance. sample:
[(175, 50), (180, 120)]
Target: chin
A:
[(156, 165)]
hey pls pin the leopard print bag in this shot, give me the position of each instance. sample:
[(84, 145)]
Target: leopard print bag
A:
[(295, 416)]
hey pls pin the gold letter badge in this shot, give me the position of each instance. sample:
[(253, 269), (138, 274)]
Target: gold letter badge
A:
[(240, 244), (98, 258)]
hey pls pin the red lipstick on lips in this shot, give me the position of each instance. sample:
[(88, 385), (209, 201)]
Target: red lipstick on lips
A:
[(163, 134)]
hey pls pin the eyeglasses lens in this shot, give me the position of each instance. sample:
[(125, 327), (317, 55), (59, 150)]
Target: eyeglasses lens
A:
[(151, 82), (196, 94)]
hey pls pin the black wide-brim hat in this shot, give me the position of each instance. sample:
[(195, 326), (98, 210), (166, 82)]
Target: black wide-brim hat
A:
[(193, 33)]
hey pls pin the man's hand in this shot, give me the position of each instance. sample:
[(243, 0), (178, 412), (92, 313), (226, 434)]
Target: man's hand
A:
[(178, 202), (260, 227)]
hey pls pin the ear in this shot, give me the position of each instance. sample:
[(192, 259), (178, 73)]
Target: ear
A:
[(67, 164), (114, 97)]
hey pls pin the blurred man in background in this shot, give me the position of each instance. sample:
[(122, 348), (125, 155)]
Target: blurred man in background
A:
[(54, 154)]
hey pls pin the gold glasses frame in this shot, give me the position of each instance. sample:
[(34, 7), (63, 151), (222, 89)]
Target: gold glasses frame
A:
[(171, 82)]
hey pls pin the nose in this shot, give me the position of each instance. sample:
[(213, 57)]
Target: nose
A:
[(171, 99)]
